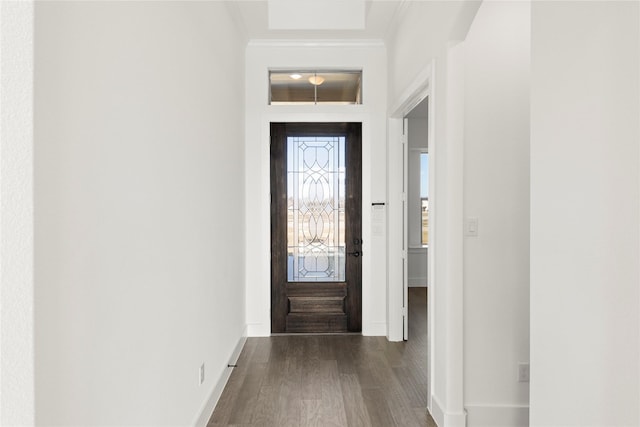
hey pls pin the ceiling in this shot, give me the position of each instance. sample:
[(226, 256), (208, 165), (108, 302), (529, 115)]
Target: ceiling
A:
[(379, 17)]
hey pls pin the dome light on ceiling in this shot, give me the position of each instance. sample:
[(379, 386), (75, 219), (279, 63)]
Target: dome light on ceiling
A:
[(316, 80)]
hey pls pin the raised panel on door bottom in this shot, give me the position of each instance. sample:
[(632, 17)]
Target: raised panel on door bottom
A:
[(316, 322), (316, 305)]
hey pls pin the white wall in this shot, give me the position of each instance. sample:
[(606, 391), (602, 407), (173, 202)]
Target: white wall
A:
[(261, 56), (423, 31), (421, 45), (480, 160), (496, 191), (139, 213), (16, 214), (417, 267), (585, 260)]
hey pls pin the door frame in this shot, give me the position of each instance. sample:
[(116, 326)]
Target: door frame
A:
[(279, 132), (419, 90), (370, 284), (398, 232), (445, 256), (17, 366)]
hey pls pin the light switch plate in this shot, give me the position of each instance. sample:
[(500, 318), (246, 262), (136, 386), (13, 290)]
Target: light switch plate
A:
[(523, 372), (471, 227)]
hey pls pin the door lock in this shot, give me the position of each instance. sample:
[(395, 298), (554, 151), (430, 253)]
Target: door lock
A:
[(355, 254)]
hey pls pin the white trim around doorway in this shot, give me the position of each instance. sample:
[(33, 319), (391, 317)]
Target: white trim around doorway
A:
[(445, 262)]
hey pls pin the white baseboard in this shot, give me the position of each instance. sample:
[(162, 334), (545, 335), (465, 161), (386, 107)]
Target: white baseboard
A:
[(375, 329), (212, 401), (258, 330), (444, 419), (437, 413), (483, 415)]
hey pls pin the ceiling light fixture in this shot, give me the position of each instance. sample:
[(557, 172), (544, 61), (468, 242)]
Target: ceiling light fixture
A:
[(295, 76), (316, 80)]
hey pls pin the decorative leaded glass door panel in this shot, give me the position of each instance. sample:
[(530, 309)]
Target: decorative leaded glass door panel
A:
[(316, 227)]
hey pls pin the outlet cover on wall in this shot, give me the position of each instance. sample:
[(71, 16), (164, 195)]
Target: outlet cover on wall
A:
[(201, 373), (523, 372)]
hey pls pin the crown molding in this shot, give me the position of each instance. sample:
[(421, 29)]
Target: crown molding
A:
[(396, 18)]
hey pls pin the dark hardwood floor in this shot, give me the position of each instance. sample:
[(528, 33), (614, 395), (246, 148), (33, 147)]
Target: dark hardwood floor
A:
[(331, 380)]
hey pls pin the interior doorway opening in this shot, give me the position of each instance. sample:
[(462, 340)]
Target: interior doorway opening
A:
[(416, 105), (416, 204)]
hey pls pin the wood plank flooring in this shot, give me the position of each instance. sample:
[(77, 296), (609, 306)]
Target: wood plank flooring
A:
[(331, 380)]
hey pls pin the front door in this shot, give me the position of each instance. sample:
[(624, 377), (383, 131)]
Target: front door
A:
[(316, 227)]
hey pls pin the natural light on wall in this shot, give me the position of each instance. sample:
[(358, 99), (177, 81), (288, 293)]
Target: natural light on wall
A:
[(342, 87)]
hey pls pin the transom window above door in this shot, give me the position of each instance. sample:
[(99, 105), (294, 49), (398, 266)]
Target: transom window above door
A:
[(311, 87)]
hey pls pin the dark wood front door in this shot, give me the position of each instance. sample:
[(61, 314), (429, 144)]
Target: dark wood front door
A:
[(316, 227)]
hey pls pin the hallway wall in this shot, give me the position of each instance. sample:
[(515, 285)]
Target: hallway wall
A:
[(480, 157), (585, 259), (424, 29), (496, 192), (139, 209)]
